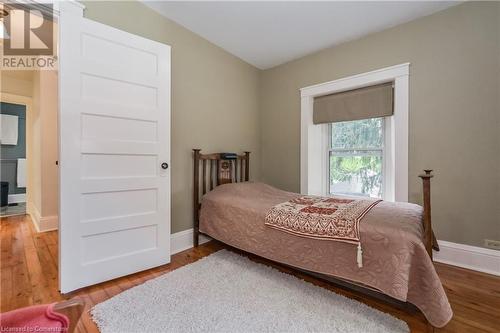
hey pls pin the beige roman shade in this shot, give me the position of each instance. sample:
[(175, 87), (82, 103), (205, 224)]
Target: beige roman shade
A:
[(368, 102)]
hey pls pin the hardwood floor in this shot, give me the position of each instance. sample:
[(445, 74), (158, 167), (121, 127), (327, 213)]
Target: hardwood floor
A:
[(29, 276)]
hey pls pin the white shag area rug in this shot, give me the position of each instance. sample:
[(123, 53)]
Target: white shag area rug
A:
[(226, 292)]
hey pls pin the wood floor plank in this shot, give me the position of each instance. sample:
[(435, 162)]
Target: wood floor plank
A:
[(86, 324), (471, 299), (29, 275), (21, 288), (6, 243), (47, 238), (53, 251), (39, 281), (27, 232), (112, 289), (40, 287), (6, 289), (39, 239), (96, 294), (480, 320)]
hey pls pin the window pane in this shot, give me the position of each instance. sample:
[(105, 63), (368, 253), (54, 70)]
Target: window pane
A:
[(356, 173), (361, 134)]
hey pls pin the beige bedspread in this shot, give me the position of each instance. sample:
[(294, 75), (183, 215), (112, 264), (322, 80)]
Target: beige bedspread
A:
[(394, 257)]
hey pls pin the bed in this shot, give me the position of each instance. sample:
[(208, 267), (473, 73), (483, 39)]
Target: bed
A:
[(397, 246)]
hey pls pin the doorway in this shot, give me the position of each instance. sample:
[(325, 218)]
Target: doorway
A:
[(13, 155), (29, 147), (29, 114)]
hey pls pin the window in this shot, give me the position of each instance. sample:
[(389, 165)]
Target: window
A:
[(389, 157), (356, 157)]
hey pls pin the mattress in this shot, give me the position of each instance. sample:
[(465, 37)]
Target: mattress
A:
[(395, 260)]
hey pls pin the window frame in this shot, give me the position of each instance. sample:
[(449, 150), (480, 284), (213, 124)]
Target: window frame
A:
[(313, 171)]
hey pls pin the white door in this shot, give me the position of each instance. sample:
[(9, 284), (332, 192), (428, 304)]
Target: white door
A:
[(114, 137)]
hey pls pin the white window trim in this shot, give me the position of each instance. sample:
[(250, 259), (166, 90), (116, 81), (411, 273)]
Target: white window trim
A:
[(314, 138)]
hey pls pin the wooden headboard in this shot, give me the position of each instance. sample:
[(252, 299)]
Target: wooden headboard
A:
[(215, 170)]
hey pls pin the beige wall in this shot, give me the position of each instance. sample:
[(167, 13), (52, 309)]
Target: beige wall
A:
[(43, 198), (49, 143), (17, 83), (454, 111), (214, 96), (34, 127)]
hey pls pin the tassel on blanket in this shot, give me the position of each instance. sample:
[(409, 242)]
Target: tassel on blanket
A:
[(360, 256)]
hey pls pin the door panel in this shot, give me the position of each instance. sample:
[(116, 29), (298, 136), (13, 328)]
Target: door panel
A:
[(115, 133)]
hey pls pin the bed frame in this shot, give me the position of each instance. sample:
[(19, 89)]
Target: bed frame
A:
[(220, 171), (216, 170)]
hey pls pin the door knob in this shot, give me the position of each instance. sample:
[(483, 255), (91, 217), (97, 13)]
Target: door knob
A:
[(164, 165)]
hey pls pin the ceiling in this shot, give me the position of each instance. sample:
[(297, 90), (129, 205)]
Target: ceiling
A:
[(269, 33)]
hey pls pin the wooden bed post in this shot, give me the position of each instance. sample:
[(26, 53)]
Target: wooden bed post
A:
[(247, 166), (426, 182), (196, 196)]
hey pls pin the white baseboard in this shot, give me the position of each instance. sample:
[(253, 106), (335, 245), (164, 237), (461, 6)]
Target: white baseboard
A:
[(183, 240), (48, 223), (470, 257), (42, 224), (34, 214), (17, 198)]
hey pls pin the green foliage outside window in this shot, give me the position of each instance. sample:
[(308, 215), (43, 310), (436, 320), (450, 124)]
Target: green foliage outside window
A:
[(356, 155)]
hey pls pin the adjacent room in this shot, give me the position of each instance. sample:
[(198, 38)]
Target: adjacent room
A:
[(13, 157), (250, 166), (30, 147)]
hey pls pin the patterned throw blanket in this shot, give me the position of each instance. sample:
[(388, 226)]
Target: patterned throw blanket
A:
[(322, 218)]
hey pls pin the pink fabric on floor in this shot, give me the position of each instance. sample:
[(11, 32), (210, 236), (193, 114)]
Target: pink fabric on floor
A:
[(40, 318)]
